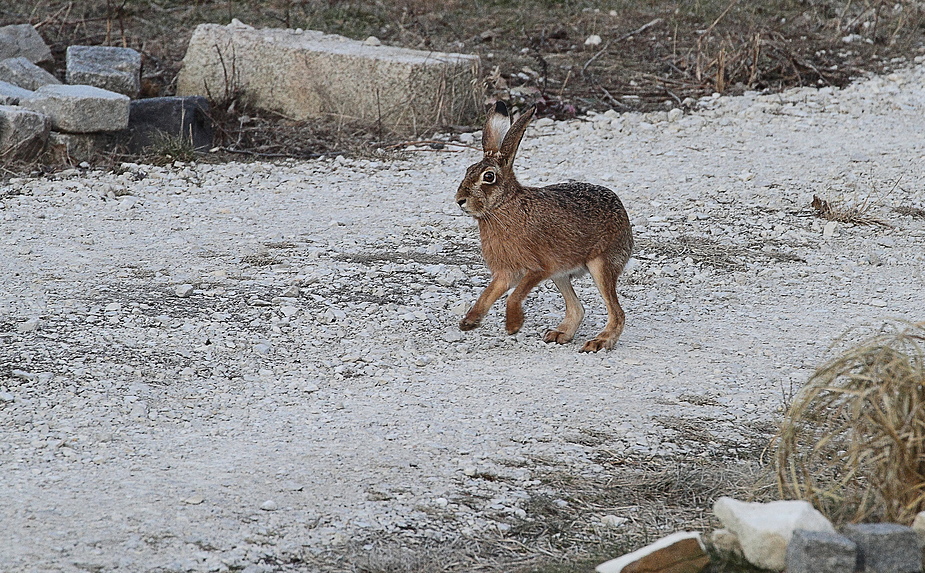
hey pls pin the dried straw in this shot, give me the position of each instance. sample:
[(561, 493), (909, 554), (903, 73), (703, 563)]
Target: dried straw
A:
[(853, 441)]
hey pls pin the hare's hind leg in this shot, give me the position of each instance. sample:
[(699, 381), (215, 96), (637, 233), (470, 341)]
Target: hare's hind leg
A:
[(605, 275), (574, 313)]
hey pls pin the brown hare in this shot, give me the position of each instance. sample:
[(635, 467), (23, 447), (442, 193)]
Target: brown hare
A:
[(530, 234)]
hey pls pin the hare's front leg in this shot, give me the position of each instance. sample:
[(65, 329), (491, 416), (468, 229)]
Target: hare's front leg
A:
[(514, 317), (574, 313), (497, 287)]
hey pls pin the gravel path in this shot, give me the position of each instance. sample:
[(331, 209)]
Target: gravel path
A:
[(206, 367)]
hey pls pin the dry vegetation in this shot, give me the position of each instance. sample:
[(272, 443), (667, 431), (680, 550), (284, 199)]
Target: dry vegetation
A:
[(853, 442), (652, 54)]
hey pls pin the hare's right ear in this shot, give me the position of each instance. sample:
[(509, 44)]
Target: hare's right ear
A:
[(496, 127)]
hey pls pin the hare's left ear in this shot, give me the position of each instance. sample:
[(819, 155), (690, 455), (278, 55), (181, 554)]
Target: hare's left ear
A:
[(514, 135), (496, 127)]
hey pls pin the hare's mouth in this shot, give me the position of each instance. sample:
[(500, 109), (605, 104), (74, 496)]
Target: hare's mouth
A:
[(466, 206)]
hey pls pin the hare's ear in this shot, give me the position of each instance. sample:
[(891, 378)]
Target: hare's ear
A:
[(512, 139), (496, 126)]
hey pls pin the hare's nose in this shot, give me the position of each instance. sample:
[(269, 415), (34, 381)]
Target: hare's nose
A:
[(461, 202)]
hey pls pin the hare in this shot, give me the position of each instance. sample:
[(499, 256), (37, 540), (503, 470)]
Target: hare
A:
[(530, 234)]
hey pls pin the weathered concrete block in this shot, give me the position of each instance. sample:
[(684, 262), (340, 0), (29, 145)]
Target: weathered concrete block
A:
[(21, 72), (303, 74), (820, 552), (678, 553), (885, 547), (765, 529), (109, 68), (10, 94), (186, 117), (23, 40), (77, 147), (23, 132), (80, 109)]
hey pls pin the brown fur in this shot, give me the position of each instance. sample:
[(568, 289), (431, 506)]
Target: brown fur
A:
[(530, 234)]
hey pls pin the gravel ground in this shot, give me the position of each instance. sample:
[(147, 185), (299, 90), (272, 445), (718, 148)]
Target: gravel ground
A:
[(212, 367)]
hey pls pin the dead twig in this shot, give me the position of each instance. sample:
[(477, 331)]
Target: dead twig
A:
[(638, 30)]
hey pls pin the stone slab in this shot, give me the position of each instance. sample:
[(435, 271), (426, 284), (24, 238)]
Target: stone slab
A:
[(76, 147), (106, 67), (306, 74), (23, 40), (23, 133), (80, 109), (885, 547), (820, 552), (764, 529), (11, 94), (21, 72), (186, 117), (680, 552)]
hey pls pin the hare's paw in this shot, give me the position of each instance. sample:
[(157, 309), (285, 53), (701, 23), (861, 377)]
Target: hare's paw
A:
[(556, 336), (598, 343), (468, 323)]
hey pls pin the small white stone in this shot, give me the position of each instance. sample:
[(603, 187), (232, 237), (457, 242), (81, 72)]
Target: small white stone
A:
[(184, 290), (6, 397), (269, 505), (113, 307), (30, 325), (613, 520), (372, 41), (194, 500), (828, 231), (453, 334), (593, 40)]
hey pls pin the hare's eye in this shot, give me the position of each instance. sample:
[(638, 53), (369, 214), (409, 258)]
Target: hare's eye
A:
[(488, 177)]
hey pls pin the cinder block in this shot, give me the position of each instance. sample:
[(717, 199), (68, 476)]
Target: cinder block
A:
[(105, 67), (21, 72), (80, 109), (23, 40), (885, 547), (820, 552), (305, 74), (186, 117), (10, 94), (23, 132)]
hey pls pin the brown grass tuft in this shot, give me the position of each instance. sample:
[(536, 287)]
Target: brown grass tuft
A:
[(857, 214), (853, 441)]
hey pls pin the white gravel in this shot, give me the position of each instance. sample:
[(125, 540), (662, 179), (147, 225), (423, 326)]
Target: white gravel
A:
[(206, 367)]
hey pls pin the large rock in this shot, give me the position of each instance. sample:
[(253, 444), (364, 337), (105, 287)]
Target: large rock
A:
[(23, 40), (183, 117), (106, 67), (11, 94), (304, 74), (680, 552), (76, 147), (80, 109), (21, 72), (23, 132), (820, 552), (765, 529), (885, 547)]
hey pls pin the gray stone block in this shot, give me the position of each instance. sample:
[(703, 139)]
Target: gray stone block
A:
[(21, 72), (77, 147), (80, 109), (23, 132), (186, 117), (305, 74), (820, 552), (10, 94), (885, 547), (109, 68), (23, 40)]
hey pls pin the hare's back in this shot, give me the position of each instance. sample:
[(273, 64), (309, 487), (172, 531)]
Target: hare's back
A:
[(583, 201)]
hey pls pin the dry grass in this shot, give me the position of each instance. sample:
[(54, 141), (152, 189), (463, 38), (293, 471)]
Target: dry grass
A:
[(853, 441), (858, 214), (706, 251)]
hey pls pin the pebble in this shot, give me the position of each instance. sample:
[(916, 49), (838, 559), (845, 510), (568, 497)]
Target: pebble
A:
[(184, 291), (269, 505), (27, 326)]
